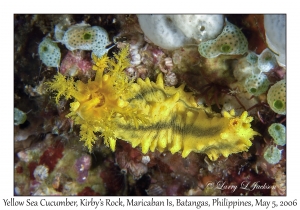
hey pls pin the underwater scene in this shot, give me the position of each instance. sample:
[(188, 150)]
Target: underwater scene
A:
[(150, 105)]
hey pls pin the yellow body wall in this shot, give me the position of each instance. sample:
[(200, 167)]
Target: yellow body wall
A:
[(178, 124)]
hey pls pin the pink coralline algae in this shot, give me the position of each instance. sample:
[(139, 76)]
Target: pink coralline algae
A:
[(52, 155), (75, 63), (82, 166)]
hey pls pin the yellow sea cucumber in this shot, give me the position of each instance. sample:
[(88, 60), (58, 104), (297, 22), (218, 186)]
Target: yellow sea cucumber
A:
[(148, 114)]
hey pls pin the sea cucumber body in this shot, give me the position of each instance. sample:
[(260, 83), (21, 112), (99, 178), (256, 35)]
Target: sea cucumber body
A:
[(176, 123), (148, 114)]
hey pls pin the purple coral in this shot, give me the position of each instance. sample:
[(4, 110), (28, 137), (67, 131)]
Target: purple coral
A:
[(82, 166)]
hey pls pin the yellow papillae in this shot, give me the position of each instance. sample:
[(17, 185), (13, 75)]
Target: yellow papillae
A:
[(148, 114), (178, 124)]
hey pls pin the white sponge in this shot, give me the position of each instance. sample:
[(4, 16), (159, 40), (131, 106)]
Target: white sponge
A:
[(275, 28), (162, 31), (174, 31), (200, 27)]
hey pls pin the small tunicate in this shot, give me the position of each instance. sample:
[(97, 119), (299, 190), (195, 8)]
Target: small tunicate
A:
[(252, 58), (272, 154), (276, 97), (19, 116), (244, 68), (84, 37), (49, 53), (257, 84), (230, 42), (277, 131), (266, 61)]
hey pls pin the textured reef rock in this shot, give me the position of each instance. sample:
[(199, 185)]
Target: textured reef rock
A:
[(143, 119)]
